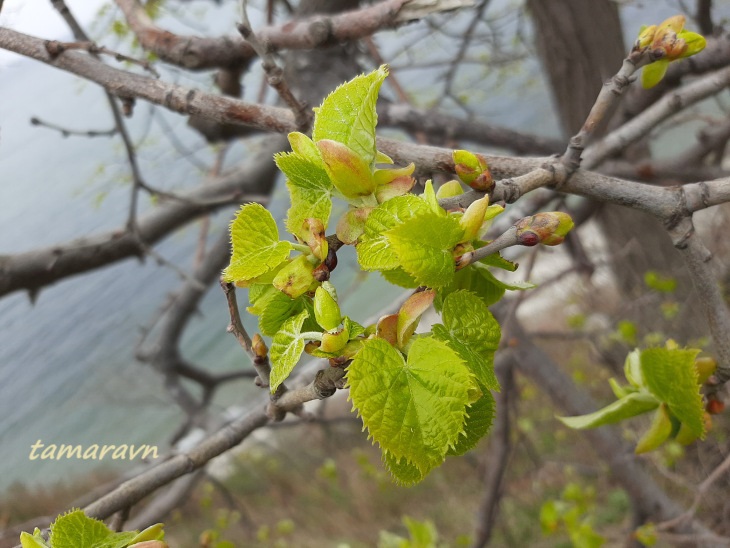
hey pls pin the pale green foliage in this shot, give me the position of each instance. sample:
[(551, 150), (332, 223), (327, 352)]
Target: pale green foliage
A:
[(424, 245), (421, 397), (256, 245), (374, 251), (348, 115), (662, 379), (286, 349), (76, 530), (309, 189), (413, 407), (422, 534), (671, 376), (471, 330)]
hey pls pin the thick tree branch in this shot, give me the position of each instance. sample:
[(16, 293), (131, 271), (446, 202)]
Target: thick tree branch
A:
[(135, 489), (450, 127), (128, 85), (196, 53)]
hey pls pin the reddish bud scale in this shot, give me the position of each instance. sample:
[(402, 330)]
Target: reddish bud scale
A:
[(321, 273), (528, 239), (331, 261), (715, 407)]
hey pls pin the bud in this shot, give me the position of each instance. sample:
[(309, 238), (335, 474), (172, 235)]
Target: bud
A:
[(32, 541), (714, 407), (387, 328), (259, 349), (150, 544), (658, 432), (397, 187), (473, 218), (326, 310), (295, 278), (469, 166), (334, 342), (321, 273), (352, 224), (705, 368), (313, 235), (303, 146), (410, 314), (152, 533), (449, 189), (545, 228), (350, 174), (632, 369), (646, 36)]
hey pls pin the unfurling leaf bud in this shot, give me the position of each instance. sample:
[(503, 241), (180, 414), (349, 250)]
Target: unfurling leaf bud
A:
[(473, 218), (387, 328), (545, 228), (646, 36), (350, 174), (665, 43), (334, 342), (313, 235), (32, 541), (303, 146), (150, 544), (393, 182), (410, 314), (468, 166), (658, 432), (352, 224), (449, 189), (326, 310), (295, 278), (259, 346), (705, 367)]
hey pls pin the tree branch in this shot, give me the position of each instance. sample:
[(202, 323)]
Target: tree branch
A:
[(196, 53)]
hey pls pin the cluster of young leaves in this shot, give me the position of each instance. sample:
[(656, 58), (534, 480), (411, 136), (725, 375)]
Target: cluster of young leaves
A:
[(77, 530), (664, 43), (421, 397), (666, 381)]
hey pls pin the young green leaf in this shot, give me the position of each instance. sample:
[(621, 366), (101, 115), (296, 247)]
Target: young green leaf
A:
[(423, 246), (632, 405), (286, 349), (348, 114), (471, 330), (410, 314), (256, 245), (76, 530), (32, 541), (658, 432), (296, 277), (414, 408), (374, 251), (275, 309), (403, 471), (480, 415), (309, 189), (400, 277), (670, 375)]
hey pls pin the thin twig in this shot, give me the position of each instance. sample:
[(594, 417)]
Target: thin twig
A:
[(274, 73), (56, 48), (65, 132)]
